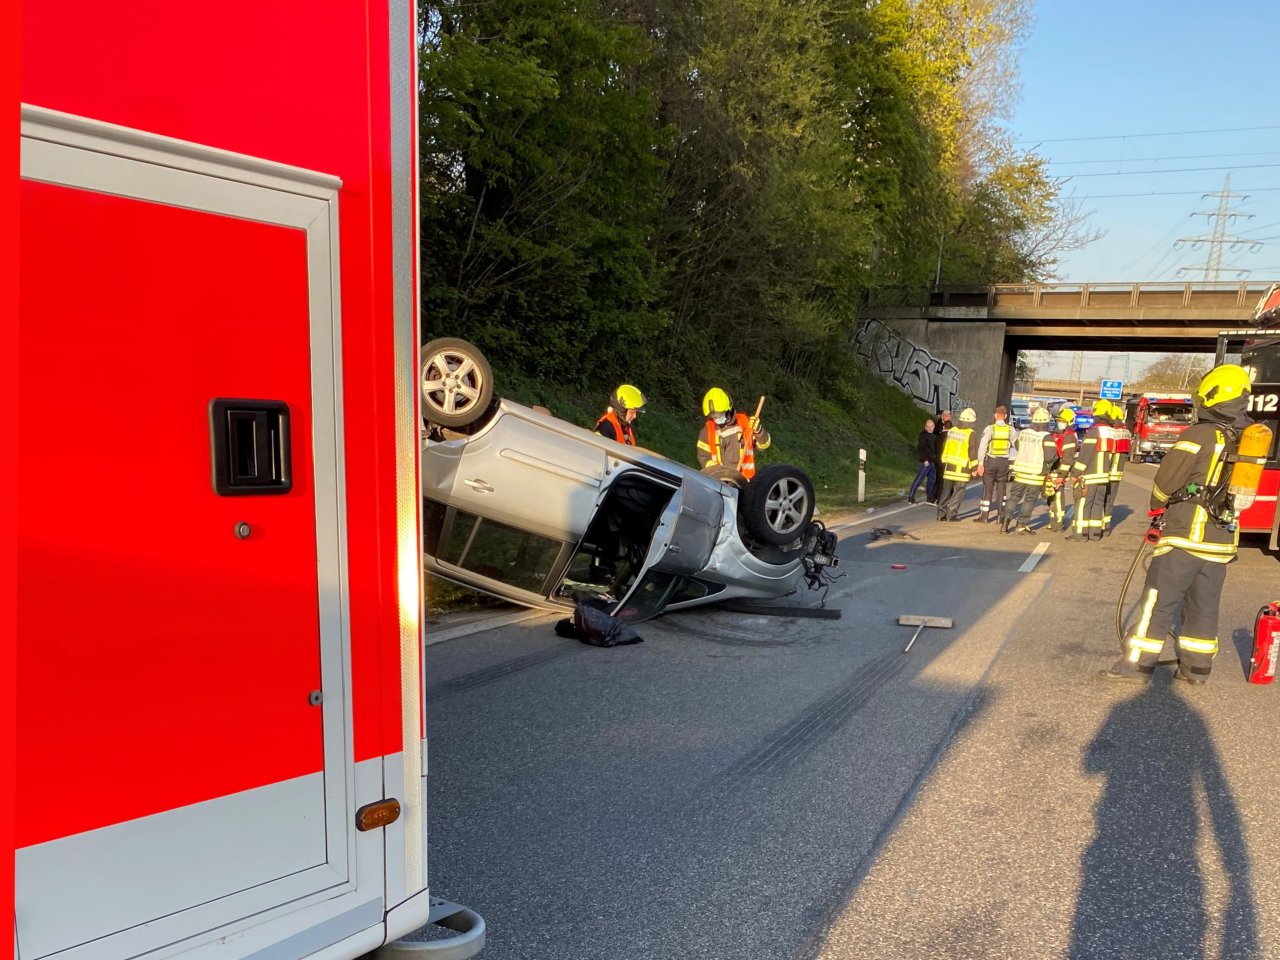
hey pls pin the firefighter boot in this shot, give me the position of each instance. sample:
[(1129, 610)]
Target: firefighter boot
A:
[(1196, 676), (1125, 671)]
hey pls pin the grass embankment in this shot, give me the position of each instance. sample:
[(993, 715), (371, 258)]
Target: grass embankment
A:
[(820, 434)]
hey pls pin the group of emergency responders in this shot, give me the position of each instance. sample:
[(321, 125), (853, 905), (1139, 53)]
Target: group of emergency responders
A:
[(1197, 534), (1042, 461), (728, 439)]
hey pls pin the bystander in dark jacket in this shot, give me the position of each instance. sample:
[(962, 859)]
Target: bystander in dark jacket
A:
[(927, 457)]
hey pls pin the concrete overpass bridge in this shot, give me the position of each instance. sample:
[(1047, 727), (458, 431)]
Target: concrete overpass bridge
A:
[(958, 347)]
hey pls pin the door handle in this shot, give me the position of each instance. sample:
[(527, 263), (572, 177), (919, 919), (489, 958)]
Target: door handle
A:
[(479, 486)]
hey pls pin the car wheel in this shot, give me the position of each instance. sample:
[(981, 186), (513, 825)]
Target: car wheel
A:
[(456, 383), (726, 475), (777, 504)]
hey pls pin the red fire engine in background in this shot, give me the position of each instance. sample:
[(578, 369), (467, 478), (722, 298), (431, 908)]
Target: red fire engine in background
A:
[(1156, 421), (221, 745), (1258, 351)]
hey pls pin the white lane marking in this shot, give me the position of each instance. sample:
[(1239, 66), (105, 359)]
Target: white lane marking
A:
[(890, 513), (1029, 564), (487, 623)]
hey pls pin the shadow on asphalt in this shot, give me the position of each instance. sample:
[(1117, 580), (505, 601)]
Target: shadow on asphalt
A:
[(1242, 638), (1143, 892)]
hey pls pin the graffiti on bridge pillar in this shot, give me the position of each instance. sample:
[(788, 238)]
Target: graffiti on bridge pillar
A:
[(933, 382)]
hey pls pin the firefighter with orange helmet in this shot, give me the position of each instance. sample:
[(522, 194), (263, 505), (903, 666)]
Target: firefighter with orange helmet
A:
[(1189, 497), (729, 438), (618, 421)]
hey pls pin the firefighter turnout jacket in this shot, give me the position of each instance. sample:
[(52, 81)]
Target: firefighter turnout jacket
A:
[(733, 444), (1190, 477), (1093, 457), (959, 453)]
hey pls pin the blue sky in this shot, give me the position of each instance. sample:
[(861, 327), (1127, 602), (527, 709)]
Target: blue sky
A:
[(1127, 68)]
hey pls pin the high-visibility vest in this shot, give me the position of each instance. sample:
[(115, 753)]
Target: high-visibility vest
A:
[(955, 454), (747, 458), (1029, 465), (622, 431), (1001, 435)]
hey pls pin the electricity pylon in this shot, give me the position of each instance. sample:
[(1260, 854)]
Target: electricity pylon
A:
[(1218, 240)]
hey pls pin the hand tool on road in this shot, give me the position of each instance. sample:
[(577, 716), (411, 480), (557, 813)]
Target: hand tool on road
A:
[(912, 620)]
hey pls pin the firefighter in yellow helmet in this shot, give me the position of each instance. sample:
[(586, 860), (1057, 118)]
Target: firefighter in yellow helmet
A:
[(1199, 537), (1092, 471), (1065, 441), (959, 461), (729, 438), (618, 421)]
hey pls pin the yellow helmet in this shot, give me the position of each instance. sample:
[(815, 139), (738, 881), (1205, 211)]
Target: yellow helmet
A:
[(1223, 383), (1102, 409), (967, 415), (716, 401), (1067, 415), (627, 397), (1041, 415)]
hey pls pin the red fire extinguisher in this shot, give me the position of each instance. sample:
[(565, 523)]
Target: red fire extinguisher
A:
[(1266, 644)]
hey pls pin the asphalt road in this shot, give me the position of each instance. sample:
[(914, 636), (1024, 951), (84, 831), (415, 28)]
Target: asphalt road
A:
[(741, 786)]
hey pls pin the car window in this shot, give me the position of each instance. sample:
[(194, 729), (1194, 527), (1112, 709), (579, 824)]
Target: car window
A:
[(650, 596), (498, 552)]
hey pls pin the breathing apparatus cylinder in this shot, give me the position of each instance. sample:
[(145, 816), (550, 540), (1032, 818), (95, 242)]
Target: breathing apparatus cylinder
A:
[(1246, 472)]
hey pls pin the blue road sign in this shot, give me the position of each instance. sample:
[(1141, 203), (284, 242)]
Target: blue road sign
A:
[(1111, 389)]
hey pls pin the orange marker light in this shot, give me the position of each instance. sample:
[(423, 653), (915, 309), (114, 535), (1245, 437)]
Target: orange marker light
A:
[(380, 814)]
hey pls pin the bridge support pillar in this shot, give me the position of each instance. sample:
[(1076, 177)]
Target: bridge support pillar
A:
[(942, 364)]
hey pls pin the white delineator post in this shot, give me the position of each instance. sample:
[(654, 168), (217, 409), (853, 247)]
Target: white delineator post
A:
[(862, 474)]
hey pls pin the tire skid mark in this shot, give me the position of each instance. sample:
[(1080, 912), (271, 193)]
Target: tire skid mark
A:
[(818, 721), (731, 639), (479, 678)]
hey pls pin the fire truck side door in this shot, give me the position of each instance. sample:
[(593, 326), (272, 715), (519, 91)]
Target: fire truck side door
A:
[(182, 756)]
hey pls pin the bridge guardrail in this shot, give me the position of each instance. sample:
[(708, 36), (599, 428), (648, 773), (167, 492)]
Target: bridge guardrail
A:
[(1241, 294)]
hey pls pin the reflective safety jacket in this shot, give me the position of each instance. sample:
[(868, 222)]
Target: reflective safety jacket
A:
[(733, 445), (1182, 485), (959, 454), (615, 428), (999, 440), (1066, 444), (1037, 453), (1120, 453), (1093, 458)]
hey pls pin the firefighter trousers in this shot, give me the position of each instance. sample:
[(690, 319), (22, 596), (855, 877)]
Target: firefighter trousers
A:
[(1090, 509), (995, 479), (1022, 499), (1183, 586), (1109, 503), (950, 495)]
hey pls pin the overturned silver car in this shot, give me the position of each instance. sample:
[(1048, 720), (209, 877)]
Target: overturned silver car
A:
[(537, 511)]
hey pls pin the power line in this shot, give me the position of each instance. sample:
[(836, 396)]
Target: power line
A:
[(1134, 136), (1185, 156), (1159, 193), (1130, 173)]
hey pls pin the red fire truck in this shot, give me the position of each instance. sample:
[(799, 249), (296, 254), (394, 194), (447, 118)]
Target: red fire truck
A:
[(1156, 420), (221, 743), (1258, 350)]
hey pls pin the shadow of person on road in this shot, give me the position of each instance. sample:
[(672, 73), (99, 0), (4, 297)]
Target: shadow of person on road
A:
[(1143, 892)]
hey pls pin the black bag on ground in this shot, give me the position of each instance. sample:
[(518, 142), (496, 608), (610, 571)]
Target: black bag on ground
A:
[(592, 625)]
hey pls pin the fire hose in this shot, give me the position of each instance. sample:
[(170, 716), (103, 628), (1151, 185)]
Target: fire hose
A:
[(1149, 539)]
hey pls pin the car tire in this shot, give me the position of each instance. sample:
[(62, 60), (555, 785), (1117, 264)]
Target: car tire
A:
[(456, 382), (777, 504), (726, 475)]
